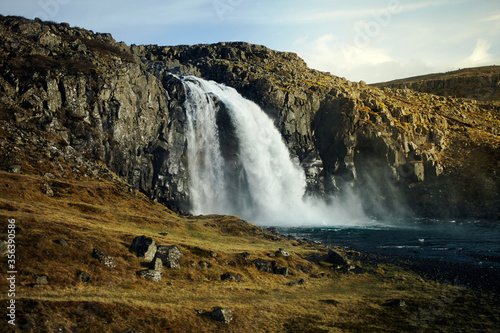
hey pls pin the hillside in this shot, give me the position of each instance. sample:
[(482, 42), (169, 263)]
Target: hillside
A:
[(61, 286), (480, 83)]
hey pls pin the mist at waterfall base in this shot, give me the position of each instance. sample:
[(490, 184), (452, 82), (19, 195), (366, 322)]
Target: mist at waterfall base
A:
[(239, 164)]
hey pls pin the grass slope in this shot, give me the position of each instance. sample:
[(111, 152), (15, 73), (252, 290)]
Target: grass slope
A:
[(100, 213)]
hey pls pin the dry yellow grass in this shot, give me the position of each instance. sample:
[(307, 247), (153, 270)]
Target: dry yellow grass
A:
[(98, 213)]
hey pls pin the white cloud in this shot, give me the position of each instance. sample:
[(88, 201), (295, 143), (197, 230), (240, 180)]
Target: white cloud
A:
[(363, 62), (480, 55)]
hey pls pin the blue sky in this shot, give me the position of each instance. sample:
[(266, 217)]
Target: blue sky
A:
[(360, 40)]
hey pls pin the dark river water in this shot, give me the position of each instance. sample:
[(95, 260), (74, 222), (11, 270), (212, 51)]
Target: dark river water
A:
[(473, 242)]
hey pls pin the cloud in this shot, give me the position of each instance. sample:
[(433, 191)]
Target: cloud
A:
[(480, 55), (366, 62)]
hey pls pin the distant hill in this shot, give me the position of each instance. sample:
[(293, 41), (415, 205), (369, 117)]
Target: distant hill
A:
[(482, 83)]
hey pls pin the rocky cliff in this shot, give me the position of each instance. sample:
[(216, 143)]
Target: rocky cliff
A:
[(71, 94)]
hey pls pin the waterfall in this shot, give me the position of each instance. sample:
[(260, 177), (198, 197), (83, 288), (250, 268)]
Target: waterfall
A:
[(238, 162)]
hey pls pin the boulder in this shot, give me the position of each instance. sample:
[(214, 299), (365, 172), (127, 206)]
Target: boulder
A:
[(150, 274), (103, 257), (281, 271), (270, 267), (169, 255), (263, 265), (336, 258), (223, 315), (144, 247)]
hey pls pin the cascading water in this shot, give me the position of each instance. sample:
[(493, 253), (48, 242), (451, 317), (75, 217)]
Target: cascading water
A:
[(238, 162)]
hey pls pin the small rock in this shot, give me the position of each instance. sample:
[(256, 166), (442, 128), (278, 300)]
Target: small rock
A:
[(16, 168), (230, 276), (103, 258), (49, 175), (282, 252), (144, 247), (150, 274), (203, 264), (41, 280), (223, 315), (62, 242), (301, 281), (84, 276), (213, 254), (47, 190)]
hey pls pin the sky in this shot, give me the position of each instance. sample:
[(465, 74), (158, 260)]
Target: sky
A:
[(374, 41)]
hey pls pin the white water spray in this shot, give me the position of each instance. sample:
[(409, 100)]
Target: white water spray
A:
[(258, 180)]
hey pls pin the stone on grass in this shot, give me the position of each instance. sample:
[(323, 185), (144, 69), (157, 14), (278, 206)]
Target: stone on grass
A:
[(103, 257), (282, 252), (336, 258), (150, 274), (263, 265), (47, 190), (281, 271), (169, 255), (41, 280), (84, 276), (223, 315), (230, 276), (144, 247)]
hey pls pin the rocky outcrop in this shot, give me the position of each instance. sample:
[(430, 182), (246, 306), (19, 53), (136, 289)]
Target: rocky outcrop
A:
[(89, 93), (82, 97)]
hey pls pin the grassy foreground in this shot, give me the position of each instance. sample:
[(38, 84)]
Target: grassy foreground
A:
[(91, 213)]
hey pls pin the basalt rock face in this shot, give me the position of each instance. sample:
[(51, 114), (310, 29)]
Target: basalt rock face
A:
[(87, 95), (88, 92)]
